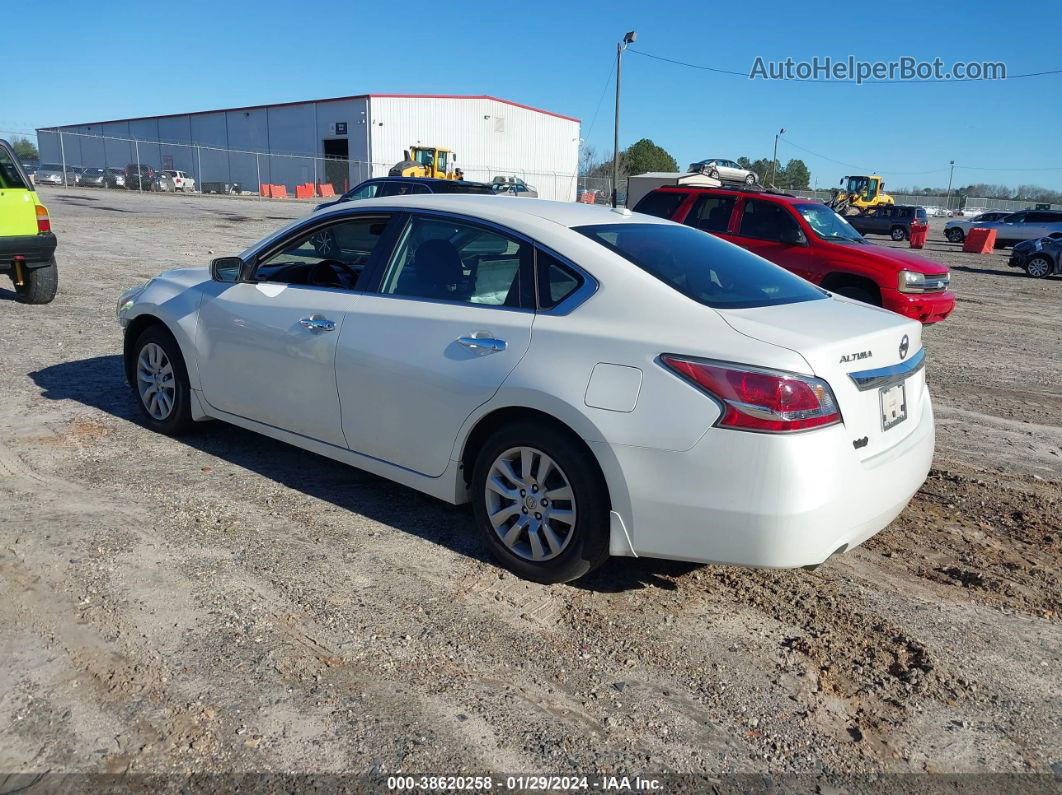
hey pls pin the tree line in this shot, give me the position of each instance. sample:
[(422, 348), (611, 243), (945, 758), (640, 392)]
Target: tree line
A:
[(644, 155), (1031, 193)]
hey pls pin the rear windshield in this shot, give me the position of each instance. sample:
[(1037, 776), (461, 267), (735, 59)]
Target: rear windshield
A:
[(703, 267), (457, 187), (659, 203), (10, 178)]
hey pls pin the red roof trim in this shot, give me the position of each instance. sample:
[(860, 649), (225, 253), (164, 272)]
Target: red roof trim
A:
[(311, 102)]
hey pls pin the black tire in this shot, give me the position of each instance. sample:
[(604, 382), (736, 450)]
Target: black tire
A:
[(898, 233), (857, 293), (750, 179), (179, 419), (587, 546), (1038, 266), (954, 235), (714, 174), (39, 285)]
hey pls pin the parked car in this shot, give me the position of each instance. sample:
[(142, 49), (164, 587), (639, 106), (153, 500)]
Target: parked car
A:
[(811, 240), (30, 167), (955, 231), (163, 182), (76, 171), (27, 243), (893, 220), (401, 186), (54, 174), (726, 170), (1040, 257), (181, 180), (1024, 225), (139, 177), (513, 186), (94, 178), (115, 178), (679, 398)]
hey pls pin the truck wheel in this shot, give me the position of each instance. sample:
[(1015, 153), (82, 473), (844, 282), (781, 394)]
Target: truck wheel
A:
[(857, 293), (898, 233), (38, 284), (1038, 267)]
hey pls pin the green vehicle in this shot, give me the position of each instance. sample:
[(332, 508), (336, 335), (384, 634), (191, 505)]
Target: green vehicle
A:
[(27, 243)]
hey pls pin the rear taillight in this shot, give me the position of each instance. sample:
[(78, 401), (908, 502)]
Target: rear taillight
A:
[(755, 399), (44, 223)]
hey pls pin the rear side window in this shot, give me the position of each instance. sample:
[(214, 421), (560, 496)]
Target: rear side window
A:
[(662, 204), (556, 281), (711, 213), (767, 221), (703, 267), (9, 175)]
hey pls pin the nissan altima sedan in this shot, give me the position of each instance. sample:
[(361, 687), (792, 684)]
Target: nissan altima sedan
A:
[(594, 382)]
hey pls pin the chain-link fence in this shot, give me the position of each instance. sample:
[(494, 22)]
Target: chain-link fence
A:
[(146, 165)]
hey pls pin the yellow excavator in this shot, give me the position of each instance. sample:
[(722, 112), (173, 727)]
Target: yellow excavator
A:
[(428, 161), (859, 194)]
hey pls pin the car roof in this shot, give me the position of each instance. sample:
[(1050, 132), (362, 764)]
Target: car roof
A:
[(501, 210)]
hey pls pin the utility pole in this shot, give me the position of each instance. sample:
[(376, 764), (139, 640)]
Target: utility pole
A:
[(774, 157), (628, 39), (947, 202)]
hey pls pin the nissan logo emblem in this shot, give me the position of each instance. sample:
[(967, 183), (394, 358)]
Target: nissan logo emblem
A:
[(904, 345)]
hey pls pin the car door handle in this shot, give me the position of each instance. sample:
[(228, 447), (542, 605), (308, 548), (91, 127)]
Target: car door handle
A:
[(317, 323), (483, 342)]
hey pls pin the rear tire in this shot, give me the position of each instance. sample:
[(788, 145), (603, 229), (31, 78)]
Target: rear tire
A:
[(1038, 266), (156, 353), (39, 285), (532, 526)]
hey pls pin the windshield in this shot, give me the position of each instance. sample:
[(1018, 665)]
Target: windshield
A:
[(10, 177), (827, 224), (51, 167), (703, 267), (93, 172)]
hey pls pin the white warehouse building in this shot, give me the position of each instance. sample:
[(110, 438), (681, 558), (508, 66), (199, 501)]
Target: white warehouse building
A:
[(339, 141)]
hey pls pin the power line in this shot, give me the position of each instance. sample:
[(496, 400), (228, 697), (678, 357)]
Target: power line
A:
[(747, 75), (600, 99)]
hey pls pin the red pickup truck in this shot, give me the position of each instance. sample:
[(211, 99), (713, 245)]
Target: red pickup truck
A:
[(809, 239)]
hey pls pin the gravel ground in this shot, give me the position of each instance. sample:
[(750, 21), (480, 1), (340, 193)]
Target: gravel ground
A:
[(224, 602)]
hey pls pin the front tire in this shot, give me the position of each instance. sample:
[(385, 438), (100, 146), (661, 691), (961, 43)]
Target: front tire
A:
[(160, 382), (857, 293), (1038, 266), (750, 179), (954, 235), (39, 285), (898, 233), (541, 503)]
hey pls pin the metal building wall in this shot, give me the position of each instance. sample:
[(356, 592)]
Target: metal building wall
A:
[(490, 137)]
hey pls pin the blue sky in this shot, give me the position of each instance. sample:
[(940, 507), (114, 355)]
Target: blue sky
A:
[(198, 56)]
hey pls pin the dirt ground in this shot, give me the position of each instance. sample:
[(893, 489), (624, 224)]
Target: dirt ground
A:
[(224, 602)]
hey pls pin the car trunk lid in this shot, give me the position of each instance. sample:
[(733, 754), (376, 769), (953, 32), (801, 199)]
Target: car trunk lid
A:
[(870, 357)]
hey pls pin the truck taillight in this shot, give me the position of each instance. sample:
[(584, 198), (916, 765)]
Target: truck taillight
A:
[(756, 399), (44, 223)]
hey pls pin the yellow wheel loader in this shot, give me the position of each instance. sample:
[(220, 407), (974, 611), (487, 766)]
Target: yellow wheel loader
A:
[(428, 161), (858, 194)]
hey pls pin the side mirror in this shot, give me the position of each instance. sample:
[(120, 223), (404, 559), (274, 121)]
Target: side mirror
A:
[(226, 269), (794, 237)]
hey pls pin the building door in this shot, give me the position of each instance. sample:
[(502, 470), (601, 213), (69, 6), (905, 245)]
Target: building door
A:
[(337, 165)]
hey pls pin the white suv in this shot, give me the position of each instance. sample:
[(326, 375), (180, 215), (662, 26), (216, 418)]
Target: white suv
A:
[(181, 180)]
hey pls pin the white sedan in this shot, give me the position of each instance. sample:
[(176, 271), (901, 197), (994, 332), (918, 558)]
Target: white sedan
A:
[(594, 382)]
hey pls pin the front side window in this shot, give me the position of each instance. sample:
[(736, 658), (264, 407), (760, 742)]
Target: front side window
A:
[(333, 256), (711, 213), (768, 221), (446, 260), (703, 267), (827, 224)]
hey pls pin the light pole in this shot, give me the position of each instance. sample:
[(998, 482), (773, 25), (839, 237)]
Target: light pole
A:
[(774, 157), (630, 38), (947, 201)]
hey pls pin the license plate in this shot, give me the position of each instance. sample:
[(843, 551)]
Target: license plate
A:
[(893, 405)]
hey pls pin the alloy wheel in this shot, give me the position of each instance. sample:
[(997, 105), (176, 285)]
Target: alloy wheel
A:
[(1037, 267), (155, 381), (530, 504)]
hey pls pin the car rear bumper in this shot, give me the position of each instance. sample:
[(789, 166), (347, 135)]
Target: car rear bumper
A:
[(923, 307), (35, 250), (765, 500)]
